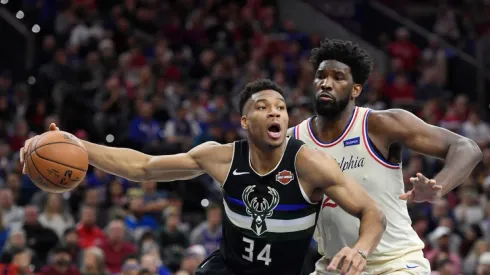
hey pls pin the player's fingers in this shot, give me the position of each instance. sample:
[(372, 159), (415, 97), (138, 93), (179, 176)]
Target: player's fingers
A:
[(53, 127), (21, 155), (432, 182), (346, 265), (336, 261), (360, 266), (414, 180), (354, 269), (437, 187), (422, 178), (407, 196)]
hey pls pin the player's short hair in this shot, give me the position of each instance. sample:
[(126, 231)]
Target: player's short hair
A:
[(347, 52), (255, 87)]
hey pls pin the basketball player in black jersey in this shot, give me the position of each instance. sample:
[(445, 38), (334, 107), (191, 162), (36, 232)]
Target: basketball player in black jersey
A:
[(269, 188)]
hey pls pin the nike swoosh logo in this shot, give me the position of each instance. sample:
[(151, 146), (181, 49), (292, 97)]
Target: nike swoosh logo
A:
[(235, 173), (411, 266)]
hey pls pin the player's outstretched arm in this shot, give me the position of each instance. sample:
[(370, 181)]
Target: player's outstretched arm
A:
[(320, 171), (136, 166), (461, 154)]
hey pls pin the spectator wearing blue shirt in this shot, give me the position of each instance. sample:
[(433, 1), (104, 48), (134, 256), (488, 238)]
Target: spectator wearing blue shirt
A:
[(144, 129)]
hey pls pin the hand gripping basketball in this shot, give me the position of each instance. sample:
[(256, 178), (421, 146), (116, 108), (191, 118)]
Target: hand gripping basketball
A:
[(55, 161)]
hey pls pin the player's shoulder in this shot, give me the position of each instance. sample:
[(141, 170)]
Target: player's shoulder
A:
[(212, 148), (384, 120)]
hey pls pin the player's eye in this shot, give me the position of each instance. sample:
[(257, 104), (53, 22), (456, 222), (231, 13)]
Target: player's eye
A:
[(281, 108), (261, 107), (339, 76)]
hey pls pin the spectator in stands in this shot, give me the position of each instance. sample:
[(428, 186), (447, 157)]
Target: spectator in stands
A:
[(115, 247), (131, 265), (92, 198), (70, 241), (144, 130), (151, 263), (93, 262), (17, 261), (61, 263), (477, 130), (404, 49), (483, 264), (54, 216), (89, 234), (441, 234), (38, 237), (208, 233), (154, 201), (469, 211), (137, 221), (471, 262), (170, 235)]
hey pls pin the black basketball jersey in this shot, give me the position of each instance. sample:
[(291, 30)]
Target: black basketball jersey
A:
[(269, 222)]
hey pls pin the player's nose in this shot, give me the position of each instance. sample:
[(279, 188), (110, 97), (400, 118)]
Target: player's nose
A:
[(274, 113), (326, 84)]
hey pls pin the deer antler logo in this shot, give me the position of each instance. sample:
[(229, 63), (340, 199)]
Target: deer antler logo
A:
[(260, 211)]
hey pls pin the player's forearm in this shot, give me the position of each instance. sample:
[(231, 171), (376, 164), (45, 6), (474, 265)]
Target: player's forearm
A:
[(122, 162), (461, 159), (373, 224)]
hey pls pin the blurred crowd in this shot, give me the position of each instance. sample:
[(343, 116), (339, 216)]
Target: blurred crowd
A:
[(161, 77)]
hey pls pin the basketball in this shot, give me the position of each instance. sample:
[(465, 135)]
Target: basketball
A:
[(56, 161)]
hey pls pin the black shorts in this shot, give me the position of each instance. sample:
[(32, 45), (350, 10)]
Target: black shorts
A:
[(213, 265)]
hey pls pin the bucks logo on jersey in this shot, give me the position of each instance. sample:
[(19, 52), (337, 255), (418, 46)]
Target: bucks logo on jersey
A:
[(259, 210)]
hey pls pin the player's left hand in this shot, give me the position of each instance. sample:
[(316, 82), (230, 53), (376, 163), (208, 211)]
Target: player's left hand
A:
[(349, 261), (424, 189)]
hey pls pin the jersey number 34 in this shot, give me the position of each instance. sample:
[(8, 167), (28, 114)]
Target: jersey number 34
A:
[(264, 255)]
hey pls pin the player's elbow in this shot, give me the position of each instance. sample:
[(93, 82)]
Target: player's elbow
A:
[(142, 171), (471, 148)]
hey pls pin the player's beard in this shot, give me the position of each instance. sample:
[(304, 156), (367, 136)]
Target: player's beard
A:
[(331, 109)]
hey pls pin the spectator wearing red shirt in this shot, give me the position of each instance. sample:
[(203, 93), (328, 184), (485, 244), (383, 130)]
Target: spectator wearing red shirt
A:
[(115, 248), (401, 91), (61, 264), (404, 49), (89, 234)]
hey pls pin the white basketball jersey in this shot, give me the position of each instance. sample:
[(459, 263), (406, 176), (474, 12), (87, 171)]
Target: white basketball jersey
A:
[(357, 158)]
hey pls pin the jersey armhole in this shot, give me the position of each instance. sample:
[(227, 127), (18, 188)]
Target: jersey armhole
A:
[(231, 165), (307, 199), (371, 148)]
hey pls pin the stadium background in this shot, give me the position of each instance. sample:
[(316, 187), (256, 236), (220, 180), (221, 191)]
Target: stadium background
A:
[(160, 76)]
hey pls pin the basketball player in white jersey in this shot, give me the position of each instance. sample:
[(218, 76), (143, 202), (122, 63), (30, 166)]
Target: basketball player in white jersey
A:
[(367, 146)]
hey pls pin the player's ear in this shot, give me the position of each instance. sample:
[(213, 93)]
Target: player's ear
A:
[(356, 90), (244, 122)]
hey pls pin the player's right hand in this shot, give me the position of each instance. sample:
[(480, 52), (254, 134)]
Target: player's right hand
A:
[(349, 261), (25, 149)]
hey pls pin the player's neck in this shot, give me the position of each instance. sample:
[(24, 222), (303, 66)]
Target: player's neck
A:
[(328, 129), (263, 161)]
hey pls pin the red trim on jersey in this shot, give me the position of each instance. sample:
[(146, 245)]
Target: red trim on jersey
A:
[(342, 136), (367, 144), (296, 131)]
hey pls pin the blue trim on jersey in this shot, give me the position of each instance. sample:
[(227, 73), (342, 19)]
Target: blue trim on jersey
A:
[(279, 207), (368, 140)]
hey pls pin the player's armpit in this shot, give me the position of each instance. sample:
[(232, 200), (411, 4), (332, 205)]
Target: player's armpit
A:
[(318, 170), (290, 132)]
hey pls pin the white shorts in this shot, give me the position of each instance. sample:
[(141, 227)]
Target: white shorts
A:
[(411, 263)]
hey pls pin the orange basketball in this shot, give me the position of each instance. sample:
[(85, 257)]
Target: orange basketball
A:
[(56, 161)]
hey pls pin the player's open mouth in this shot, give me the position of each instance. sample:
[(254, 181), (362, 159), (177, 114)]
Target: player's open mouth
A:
[(274, 130)]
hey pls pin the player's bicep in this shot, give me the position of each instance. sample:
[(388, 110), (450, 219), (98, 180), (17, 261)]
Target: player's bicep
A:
[(183, 165), (412, 132)]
